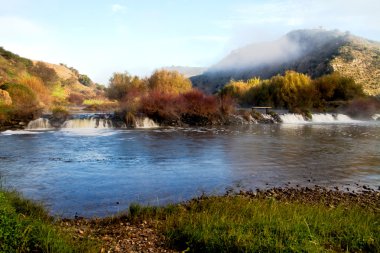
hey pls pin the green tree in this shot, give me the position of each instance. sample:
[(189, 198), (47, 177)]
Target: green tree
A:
[(85, 80)]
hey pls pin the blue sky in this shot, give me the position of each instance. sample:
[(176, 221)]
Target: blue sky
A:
[(138, 36)]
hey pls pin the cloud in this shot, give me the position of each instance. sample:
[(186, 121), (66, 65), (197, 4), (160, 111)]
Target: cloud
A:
[(118, 8)]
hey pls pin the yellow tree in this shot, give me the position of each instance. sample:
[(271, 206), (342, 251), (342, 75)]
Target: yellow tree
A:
[(297, 90), (170, 82)]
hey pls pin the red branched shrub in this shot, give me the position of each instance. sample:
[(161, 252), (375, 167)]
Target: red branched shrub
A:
[(197, 103), (193, 107), (226, 104), (161, 107)]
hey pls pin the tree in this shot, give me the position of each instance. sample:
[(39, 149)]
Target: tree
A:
[(122, 83), (85, 80), (171, 82)]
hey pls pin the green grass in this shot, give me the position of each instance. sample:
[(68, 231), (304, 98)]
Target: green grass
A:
[(26, 227), (238, 224)]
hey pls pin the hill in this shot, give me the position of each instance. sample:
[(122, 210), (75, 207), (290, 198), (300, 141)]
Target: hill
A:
[(315, 52), (13, 69), (28, 88)]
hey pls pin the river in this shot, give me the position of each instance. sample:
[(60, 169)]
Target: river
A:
[(101, 171)]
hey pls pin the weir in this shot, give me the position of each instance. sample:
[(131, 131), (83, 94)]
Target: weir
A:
[(291, 118), (40, 123), (91, 121), (100, 121)]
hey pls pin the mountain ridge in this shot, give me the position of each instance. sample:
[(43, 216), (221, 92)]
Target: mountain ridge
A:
[(315, 52)]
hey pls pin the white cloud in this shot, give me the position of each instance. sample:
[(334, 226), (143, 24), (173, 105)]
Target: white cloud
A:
[(118, 8)]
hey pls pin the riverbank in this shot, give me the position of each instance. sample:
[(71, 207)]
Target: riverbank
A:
[(278, 219)]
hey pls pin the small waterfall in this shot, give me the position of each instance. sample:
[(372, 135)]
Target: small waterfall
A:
[(290, 118), (87, 123), (39, 123), (376, 116), (145, 123)]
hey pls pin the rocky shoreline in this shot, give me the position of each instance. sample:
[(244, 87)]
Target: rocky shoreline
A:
[(124, 234)]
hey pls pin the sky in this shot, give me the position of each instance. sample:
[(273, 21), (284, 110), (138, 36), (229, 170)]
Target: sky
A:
[(102, 37)]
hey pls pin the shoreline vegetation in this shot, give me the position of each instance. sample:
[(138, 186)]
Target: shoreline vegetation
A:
[(30, 89), (278, 219)]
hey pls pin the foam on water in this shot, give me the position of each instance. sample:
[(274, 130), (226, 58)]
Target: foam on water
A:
[(18, 132), (145, 123), (318, 118)]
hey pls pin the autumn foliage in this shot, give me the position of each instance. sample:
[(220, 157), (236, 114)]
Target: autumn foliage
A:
[(294, 91), (193, 108), (170, 82), (166, 97), (36, 84)]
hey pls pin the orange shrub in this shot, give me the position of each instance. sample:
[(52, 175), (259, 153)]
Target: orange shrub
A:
[(36, 84)]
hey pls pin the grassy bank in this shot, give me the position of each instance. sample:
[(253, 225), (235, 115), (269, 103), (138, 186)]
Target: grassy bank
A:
[(26, 227), (277, 220), (241, 224)]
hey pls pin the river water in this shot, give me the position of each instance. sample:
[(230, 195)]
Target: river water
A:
[(97, 172)]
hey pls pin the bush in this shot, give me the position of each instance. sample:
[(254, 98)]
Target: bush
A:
[(161, 107), (226, 104), (59, 94), (47, 74), (76, 98), (193, 107), (85, 80), (24, 101), (36, 84), (60, 112), (198, 108)]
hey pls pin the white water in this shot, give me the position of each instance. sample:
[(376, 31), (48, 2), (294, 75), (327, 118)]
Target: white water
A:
[(87, 123), (19, 132), (376, 116), (40, 123), (145, 123), (291, 118)]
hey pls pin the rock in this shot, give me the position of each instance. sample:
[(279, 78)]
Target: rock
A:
[(5, 99)]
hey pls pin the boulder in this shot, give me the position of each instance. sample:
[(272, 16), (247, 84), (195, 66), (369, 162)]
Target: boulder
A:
[(5, 99)]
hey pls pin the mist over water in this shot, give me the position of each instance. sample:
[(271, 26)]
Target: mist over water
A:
[(87, 171)]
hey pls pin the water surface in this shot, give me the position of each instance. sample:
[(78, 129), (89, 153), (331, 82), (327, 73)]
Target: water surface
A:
[(97, 172)]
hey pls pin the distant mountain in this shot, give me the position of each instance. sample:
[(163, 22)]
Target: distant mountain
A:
[(314, 52), (187, 71)]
